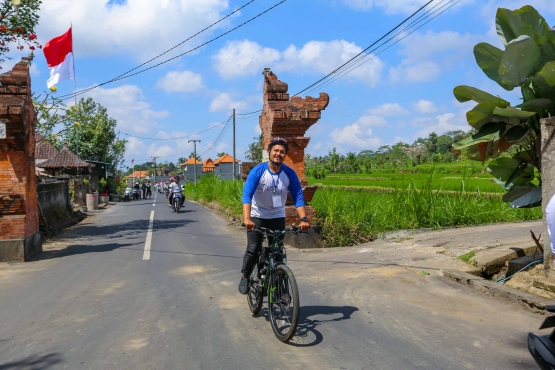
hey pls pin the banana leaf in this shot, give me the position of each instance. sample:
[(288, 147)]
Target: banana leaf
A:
[(541, 103), (509, 26), (516, 133), (536, 21), (521, 59), (512, 112), (488, 58), (465, 93), (518, 191), (529, 200)]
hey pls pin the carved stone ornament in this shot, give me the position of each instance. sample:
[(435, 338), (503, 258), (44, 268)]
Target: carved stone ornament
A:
[(2, 130)]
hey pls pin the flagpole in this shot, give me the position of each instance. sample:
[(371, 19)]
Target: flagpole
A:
[(75, 96)]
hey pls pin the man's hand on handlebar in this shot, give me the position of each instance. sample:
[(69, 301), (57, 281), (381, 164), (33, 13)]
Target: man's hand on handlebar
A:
[(304, 226), (249, 224)]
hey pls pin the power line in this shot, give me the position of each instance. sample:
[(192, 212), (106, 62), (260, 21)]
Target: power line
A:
[(179, 137), (244, 114), (69, 96), (363, 51), (218, 138), (362, 60), (189, 38)]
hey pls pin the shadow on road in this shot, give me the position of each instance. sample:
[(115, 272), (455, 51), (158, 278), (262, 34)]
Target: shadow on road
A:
[(311, 317), (34, 362)]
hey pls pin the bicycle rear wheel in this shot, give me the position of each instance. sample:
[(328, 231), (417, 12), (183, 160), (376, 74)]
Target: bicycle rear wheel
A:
[(254, 296), (283, 303)]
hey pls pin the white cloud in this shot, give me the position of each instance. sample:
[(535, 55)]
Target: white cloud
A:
[(242, 58), (388, 109), (324, 57), (140, 28), (359, 134), (442, 124), (257, 129), (426, 54), (127, 105), (424, 106), (180, 81), (224, 102)]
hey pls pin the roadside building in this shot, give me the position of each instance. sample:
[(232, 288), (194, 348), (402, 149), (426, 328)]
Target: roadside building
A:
[(224, 167)]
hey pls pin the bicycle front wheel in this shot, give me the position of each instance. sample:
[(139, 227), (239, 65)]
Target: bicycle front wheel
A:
[(283, 303)]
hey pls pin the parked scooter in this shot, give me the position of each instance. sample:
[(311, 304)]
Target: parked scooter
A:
[(542, 347), (127, 195)]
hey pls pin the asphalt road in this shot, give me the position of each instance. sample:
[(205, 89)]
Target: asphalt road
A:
[(98, 304)]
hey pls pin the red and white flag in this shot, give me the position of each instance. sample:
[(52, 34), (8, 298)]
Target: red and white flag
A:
[(133, 160), (59, 57)]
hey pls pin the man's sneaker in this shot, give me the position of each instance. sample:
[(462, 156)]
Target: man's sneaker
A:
[(244, 285)]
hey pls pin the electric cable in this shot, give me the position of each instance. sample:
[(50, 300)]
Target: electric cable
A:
[(179, 137), (363, 51), (71, 96), (361, 61)]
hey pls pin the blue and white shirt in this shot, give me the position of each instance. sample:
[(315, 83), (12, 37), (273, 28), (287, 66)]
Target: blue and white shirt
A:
[(267, 191)]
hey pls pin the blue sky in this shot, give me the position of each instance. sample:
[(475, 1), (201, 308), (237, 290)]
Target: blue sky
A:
[(401, 94)]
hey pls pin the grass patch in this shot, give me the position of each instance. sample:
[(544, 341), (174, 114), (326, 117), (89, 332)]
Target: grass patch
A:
[(467, 256), (354, 217)]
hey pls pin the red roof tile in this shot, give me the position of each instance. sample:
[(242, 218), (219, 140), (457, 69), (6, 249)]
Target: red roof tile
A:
[(65, 158)]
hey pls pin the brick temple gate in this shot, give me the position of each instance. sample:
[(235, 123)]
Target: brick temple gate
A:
[(290, 118), (19, 221)]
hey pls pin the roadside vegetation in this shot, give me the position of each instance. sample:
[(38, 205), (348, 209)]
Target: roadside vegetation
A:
[(351, 217)]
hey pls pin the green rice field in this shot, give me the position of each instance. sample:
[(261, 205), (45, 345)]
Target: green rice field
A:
[(412, 201), (451, 182)]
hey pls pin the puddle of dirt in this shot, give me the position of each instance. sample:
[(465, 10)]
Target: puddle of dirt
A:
[(136, 343), (111, 289)]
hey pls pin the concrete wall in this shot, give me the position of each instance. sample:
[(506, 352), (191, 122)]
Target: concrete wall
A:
[(225, 170), (52, 197)]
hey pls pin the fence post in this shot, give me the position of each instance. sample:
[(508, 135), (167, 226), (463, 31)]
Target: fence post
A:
[(548, 185)]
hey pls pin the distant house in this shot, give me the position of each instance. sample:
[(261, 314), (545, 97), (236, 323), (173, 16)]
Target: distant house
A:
[(65, 163), (208, 166), (224, 167), (189, 169)]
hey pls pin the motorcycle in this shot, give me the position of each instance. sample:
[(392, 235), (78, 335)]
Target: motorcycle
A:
[(136, 194), (127, 195), (542, 348), (176, 202)]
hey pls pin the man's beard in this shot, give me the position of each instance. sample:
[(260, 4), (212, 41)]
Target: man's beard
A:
[(277, 164)]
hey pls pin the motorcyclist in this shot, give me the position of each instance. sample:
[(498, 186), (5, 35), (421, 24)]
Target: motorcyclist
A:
[(174, 188), (137, 188)]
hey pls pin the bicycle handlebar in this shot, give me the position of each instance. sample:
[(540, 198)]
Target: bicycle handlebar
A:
[(294, 229)]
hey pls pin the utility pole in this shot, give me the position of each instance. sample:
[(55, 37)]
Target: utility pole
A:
[(234, 174), (154, 159), (195, 159)]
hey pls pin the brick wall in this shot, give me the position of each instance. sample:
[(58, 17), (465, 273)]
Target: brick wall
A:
[(18, 195), (290, 119)]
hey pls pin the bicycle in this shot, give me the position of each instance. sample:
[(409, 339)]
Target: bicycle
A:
[(272, 278)]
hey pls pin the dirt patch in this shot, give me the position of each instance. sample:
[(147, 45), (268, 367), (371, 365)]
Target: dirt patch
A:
[(111, 289), (524, 281), (230, 302), (189, 270), (137, 343)]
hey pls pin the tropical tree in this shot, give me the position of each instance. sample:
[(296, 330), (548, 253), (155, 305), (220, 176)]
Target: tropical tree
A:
[(17, 26), (256, 148), (511, 136), (88, 125)]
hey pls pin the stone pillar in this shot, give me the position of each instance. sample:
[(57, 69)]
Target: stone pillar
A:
[(548, 185), (19, 219), (290, 119)]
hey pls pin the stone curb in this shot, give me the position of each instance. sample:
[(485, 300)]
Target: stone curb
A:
[(526, 300)]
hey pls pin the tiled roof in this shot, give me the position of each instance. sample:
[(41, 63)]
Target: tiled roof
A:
[(226, 158), (140, 174), (65, 158), (208, 165), (191, 160), (43, 149)]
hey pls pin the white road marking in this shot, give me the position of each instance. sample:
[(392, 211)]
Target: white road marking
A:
[(148, 242)]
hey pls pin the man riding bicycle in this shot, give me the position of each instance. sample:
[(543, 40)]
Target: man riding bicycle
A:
[(264, 197), (174, 188)]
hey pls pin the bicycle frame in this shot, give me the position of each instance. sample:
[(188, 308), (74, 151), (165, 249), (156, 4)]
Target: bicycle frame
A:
[(276, 254)]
